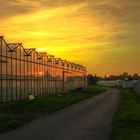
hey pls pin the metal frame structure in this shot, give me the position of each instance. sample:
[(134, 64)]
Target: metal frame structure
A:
[(24, 72)]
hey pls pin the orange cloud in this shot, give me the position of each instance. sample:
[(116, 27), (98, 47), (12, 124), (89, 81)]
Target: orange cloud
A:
[(103, 35)]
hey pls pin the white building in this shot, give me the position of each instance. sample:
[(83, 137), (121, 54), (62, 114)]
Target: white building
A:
[(137, 88), (110, 83), (129, 83)]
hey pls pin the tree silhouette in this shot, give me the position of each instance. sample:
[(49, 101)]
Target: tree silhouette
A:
[(92, 80)]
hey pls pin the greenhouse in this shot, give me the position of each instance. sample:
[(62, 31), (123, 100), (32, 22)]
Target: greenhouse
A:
[(24, 72)]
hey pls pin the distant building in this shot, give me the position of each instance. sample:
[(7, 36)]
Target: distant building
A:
[(128, 84), (109, 83), (137, 88), (119, 83)]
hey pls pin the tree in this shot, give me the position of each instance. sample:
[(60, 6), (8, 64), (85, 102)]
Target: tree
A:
[(135, 76), (125, 75), (92, 80)]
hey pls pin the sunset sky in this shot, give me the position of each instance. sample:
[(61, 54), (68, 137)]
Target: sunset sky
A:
[(103, 35)]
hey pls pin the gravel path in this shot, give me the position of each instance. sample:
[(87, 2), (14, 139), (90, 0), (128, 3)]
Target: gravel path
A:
[(86, 120)]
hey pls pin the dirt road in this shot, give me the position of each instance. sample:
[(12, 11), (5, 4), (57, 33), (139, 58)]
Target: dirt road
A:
[(86, 120)]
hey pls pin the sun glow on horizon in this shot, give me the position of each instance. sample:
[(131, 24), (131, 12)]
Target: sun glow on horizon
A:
[(88, 32)]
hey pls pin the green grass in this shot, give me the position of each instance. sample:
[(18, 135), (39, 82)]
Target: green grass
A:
[(15, 114), (126, 121)]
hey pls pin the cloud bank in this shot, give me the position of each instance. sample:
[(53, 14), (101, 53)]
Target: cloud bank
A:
[(103, 34)]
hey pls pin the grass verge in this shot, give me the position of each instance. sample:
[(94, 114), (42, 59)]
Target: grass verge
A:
[(126, 121), (15, 114)]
